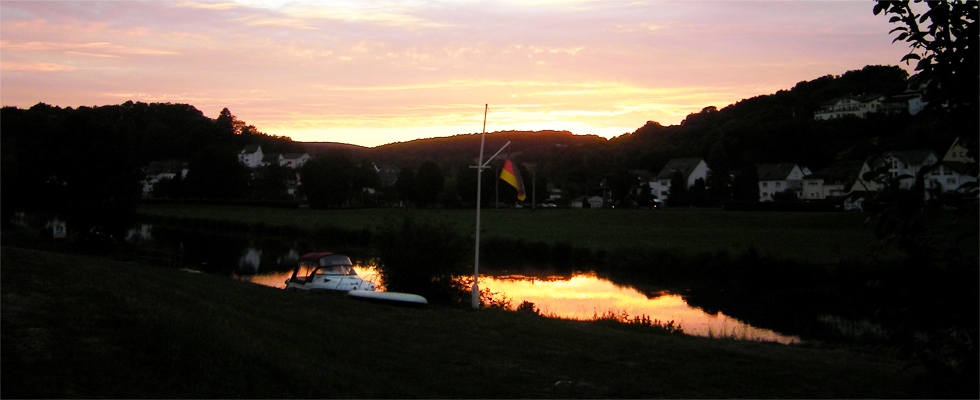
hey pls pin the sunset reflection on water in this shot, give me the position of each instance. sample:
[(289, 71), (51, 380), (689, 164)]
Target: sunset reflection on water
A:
[(585, 296)]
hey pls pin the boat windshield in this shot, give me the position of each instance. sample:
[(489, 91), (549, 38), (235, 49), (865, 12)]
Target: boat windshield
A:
[(337, 270), (335, 265)]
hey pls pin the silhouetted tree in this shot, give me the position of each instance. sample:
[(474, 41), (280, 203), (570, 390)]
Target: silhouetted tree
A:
[(678, 195), (943, 40), (428, 184), (405, 185), (328, 181), (698, 193), (215, 173)]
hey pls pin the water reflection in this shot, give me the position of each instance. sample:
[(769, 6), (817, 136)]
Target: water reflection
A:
[(580, 296), (584, 296)]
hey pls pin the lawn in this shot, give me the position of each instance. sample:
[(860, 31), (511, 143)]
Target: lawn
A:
[(811, 237), (87, 327)]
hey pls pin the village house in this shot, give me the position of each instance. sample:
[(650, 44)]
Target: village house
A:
[(691, 169), (294, 160), (782, 177), (901, 165), (950, 176), (862, 105), (162, 170), (251, 156), (956, 172), (831, 183), (587, 202)]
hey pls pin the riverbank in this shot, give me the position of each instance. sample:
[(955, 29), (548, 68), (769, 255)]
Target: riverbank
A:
[(84, 326)]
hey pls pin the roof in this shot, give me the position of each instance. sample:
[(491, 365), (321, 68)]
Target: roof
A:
[(293, 156), (961, 168), (843, 172), (774, 172), (683, 165), (252, 148), (912, 157), (315, 255), (863, 98)]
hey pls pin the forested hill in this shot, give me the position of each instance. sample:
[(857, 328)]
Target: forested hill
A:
[(777, 127), (466, 148), (780, 127)]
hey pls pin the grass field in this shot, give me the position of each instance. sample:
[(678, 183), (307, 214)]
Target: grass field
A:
[(810, 237), (88, 327)]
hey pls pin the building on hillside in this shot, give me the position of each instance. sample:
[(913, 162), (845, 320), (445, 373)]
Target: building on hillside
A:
[(958, 153), (861, 105), (902, 165), (831, 183), (950, 176), (587, 202), (294, 160), (956, 172), (289, 160), (251, 156), (644, 178), (776, 178), (162, 170), (691, 169)]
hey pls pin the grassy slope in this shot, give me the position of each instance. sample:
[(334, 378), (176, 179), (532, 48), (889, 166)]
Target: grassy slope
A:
[(812, 237), (79, 326)]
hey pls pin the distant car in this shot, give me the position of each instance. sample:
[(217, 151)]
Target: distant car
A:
[(657, 204), (548, 205)]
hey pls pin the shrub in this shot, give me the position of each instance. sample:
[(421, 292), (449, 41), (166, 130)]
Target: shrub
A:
[(423, 257), (642, 322)]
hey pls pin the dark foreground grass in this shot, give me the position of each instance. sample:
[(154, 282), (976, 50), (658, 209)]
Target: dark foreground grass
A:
[(81, 326)]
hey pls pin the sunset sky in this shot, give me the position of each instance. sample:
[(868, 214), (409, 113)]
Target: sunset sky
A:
[(375, 72)]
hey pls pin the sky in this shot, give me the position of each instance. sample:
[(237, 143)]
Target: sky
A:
[(372, 72)]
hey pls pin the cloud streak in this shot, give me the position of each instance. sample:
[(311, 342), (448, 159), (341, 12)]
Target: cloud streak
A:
[(375, 72)]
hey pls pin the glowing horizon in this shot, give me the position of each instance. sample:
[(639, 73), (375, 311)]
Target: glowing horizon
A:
[(377, 72)]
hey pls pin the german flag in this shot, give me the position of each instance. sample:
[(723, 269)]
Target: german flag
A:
[(512, 175)]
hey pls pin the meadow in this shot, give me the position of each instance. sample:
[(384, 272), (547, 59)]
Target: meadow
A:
[(820, 238)]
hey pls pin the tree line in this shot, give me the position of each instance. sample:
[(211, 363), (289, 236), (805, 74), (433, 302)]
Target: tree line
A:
[(87, 161)]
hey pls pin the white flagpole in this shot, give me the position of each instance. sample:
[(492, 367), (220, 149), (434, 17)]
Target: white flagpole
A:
[(479, 197)]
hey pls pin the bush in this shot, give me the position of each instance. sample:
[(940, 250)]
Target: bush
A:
[(423, 257)]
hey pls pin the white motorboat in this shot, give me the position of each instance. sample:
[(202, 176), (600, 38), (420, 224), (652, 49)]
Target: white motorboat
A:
[(324, 271)]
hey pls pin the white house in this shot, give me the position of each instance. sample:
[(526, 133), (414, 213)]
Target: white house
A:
[(958, 153), (161, 170), (956, 172), (831, 183), (590, 201), (691, 169), (775, 178), (901, 165), (950, 176), (861, 105), (251, 156), (293, 160)]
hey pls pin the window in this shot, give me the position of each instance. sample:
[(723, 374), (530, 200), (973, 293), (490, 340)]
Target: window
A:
[(778, 184), (951, 181), (765, 184)]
